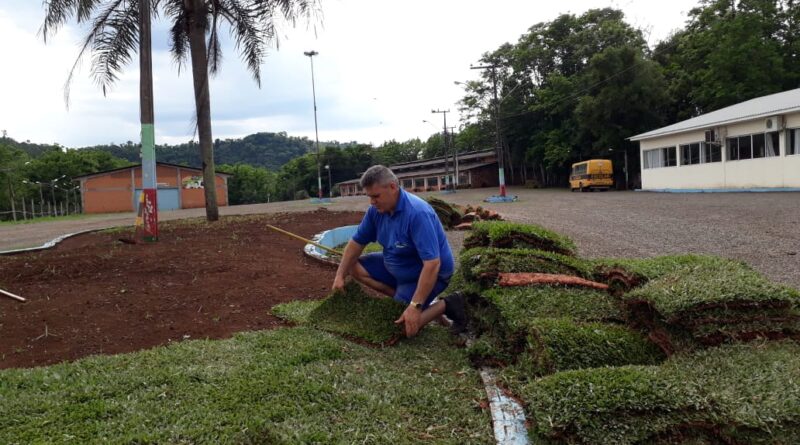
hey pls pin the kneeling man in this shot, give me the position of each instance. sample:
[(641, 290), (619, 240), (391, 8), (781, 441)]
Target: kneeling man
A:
[(416, 263)]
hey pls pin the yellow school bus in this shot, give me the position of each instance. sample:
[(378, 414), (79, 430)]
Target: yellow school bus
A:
[(594, 174)]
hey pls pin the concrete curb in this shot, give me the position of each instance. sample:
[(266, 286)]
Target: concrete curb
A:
[(48, 244)]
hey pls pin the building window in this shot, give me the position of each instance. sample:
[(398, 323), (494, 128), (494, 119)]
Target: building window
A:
[(753, 146), (660, 157), (419, 183), (690, 153), (433, 182), (794, 142), (773, 144), (407, 183)]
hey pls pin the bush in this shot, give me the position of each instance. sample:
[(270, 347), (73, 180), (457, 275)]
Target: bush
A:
[(504, 234)]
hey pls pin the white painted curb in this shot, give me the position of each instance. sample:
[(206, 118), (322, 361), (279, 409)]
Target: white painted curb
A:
[(50, 243)]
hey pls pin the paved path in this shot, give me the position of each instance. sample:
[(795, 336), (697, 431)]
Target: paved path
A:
[(17, 236), (762, 229)]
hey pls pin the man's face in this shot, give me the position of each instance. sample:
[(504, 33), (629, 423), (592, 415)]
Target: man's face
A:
[(383, 197)]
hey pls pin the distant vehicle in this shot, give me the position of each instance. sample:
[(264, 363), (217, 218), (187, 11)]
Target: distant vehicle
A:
[(594, 174)]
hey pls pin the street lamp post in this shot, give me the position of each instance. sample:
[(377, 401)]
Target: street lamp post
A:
[(41, 196), (330, 186), (311, 55), (498, 143), (446, 166)]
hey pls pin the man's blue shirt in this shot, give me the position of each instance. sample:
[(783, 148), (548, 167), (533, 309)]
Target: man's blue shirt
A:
[(409, 235)]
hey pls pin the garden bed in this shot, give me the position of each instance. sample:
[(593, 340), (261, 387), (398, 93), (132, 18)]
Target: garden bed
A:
[(94, 295)]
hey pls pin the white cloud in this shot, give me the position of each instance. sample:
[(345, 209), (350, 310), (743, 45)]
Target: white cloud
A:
[(381, 68)]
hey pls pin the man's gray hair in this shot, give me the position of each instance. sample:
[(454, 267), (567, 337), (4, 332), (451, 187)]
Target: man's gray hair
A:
[(377, 175)]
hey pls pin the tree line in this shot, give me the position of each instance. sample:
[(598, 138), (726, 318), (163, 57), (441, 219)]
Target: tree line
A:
[(569, 89), (577, 87)]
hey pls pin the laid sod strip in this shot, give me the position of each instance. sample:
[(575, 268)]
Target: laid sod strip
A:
[(353, 313), (296, 311), (716, 300), (736, 394), (483, 265), (287, 386), (505, 234)]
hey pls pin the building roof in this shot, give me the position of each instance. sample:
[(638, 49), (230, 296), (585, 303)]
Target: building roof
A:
[(439, 171), (165, 164), (462, 157), (405, 169), (760, 107)]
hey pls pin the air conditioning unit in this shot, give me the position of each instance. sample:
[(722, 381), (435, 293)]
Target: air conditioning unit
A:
[(772, 123)]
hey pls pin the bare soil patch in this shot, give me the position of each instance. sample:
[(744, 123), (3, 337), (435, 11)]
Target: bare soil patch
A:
[(94, 295)]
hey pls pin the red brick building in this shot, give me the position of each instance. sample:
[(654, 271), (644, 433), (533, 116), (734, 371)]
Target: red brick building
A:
[(118, 190), (475, 169)]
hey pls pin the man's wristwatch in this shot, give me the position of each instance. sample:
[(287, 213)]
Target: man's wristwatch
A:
[(416, 305)]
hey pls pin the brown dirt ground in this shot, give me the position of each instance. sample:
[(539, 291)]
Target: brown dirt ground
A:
[(94, 295)]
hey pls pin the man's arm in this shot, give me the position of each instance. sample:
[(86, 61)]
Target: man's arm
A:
[(427, 279), (349, 258)]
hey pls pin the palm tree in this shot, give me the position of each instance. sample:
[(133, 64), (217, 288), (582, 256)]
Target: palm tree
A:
[(113, 38)]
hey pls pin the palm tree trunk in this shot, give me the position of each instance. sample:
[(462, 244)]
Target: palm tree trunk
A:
[(198, 23)]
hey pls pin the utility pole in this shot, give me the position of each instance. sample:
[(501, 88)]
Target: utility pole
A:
[(498, 146), (455, 157), (446, 167), (147, 120), (311, 55)]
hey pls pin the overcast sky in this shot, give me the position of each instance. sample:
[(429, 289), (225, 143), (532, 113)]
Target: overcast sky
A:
[(382, 66)]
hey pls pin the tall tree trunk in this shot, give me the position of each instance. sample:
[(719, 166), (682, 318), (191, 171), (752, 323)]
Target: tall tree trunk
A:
[(198, 23)]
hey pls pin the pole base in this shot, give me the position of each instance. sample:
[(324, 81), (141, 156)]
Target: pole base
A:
[(500, 199), (321, 201)]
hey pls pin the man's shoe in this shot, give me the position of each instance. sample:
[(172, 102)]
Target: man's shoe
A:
[(454, 310)]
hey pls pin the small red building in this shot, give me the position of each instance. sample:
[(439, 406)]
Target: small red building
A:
[(118, 190)]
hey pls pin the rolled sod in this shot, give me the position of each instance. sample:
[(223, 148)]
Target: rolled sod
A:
[(541, 330), (735, 394), (715, 300), (503, 234), (482, 265)]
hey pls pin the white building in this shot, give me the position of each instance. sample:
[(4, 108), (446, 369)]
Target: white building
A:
[(751, 145)]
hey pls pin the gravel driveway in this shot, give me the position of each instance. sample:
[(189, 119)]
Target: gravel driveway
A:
[(762, 229)]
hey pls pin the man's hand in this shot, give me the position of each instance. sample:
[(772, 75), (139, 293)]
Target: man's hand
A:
[(338, 283), (410, 320)]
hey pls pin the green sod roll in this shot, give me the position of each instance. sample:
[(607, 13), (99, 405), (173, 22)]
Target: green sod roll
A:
[(505, 234), (715, 300), (742, 394), (482, 265)]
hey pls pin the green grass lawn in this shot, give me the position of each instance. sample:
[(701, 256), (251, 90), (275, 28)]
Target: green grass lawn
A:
[(292, 385)]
